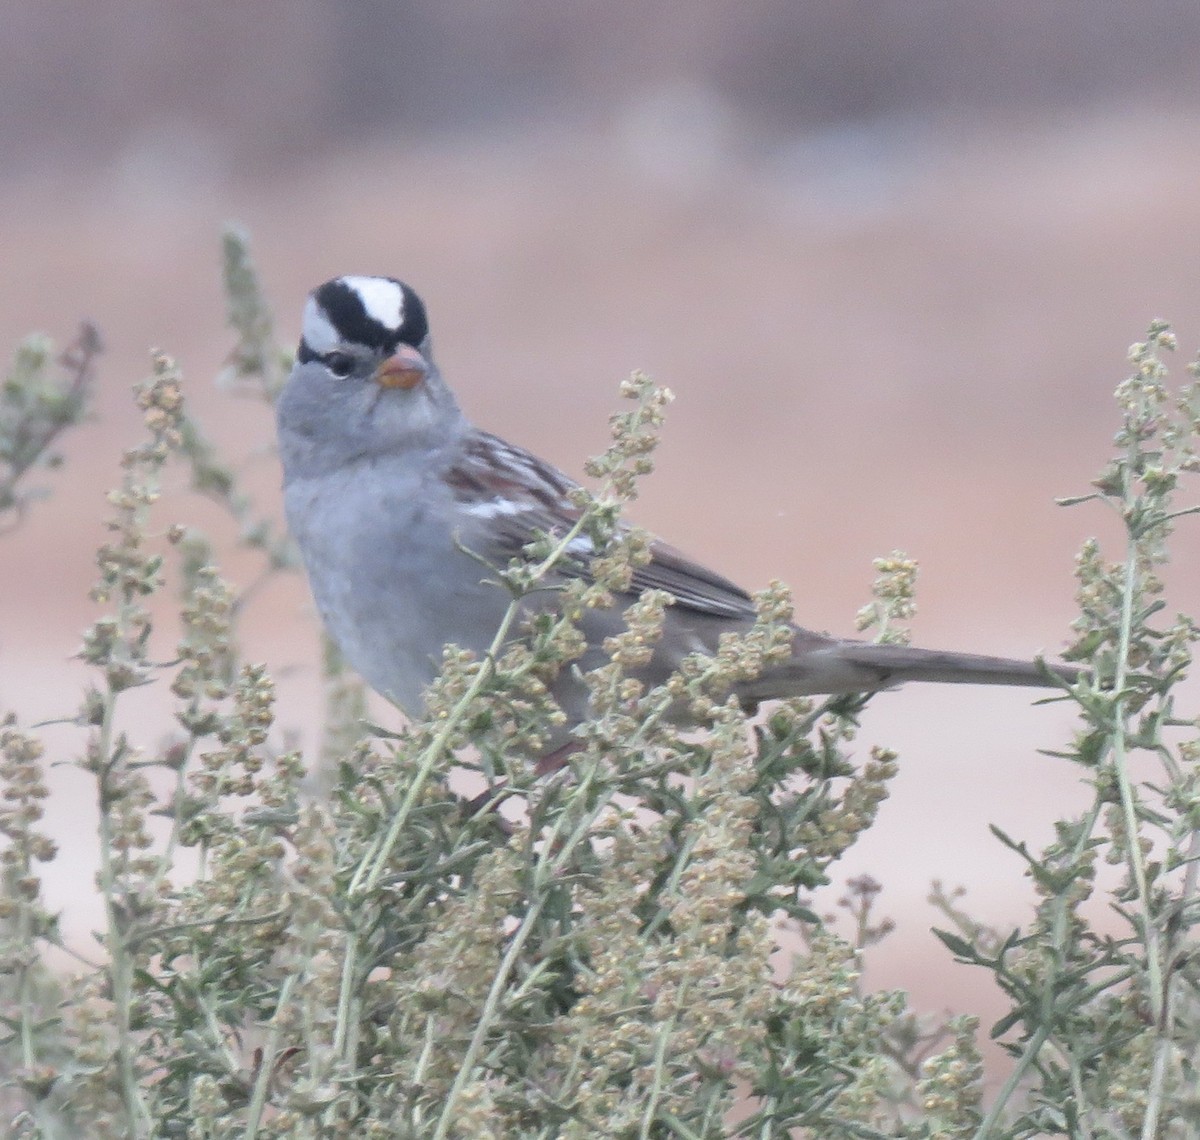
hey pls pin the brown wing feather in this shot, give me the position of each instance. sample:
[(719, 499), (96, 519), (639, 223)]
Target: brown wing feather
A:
[(489, 471), (693, 586)]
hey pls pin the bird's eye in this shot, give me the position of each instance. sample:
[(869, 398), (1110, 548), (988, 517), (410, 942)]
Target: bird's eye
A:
[(341, 364)]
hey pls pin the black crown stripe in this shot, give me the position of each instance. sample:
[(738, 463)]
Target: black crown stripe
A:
[(343, 306)]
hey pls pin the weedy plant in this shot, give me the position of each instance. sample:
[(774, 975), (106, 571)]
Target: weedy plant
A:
[(594, 951)]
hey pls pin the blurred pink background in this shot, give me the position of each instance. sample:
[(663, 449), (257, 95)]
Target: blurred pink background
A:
[(889, 258)]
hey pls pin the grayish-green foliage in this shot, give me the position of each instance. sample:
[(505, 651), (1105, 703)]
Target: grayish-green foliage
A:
[(43, 396), (594, 951)]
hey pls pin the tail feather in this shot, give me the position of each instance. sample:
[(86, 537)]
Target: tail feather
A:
[(822, 666), (907, 664)]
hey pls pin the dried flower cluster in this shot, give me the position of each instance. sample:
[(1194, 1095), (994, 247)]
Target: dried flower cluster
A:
[(625, 946)]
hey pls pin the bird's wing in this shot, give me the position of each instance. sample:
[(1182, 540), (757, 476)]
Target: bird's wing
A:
[(516, 497), (695, 587)]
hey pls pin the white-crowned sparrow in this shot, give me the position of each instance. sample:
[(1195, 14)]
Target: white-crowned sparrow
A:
[(397, 502)]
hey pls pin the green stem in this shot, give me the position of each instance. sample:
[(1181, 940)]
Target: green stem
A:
[(1157, 1089), (25, 999), (542, 874), (262, 1080), (120, 966), (1045, 1021), (487, 1016), (371, 869), (372, 866), (1137, 863), (1076, 1077), (985, 1131), (660, 1056)]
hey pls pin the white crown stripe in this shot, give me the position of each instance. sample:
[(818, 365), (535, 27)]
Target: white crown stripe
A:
[(382, 299)]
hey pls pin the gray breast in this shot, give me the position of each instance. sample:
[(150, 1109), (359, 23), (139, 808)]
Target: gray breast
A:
[(389, 577)]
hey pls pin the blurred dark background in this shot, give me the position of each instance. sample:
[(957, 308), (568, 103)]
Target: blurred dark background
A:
[(285, 81), (889, 255)]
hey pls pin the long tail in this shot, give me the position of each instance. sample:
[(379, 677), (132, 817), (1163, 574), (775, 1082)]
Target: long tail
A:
[(826, 665)]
